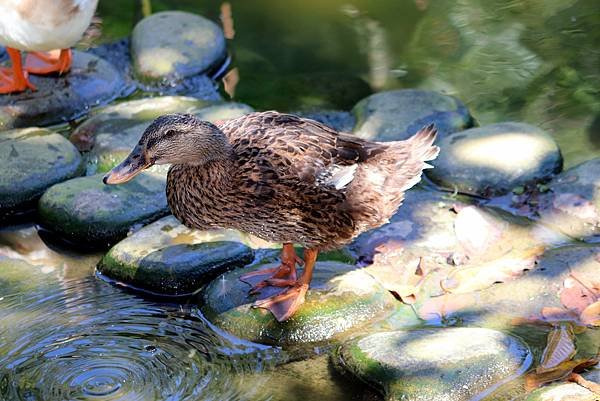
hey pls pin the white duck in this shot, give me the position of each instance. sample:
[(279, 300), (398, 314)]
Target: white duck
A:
[(46, 29)]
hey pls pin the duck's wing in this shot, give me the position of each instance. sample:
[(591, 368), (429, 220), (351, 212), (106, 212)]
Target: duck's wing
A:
[(288, 147)]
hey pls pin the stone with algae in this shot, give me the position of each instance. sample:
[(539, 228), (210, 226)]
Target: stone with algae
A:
[(341, 298)]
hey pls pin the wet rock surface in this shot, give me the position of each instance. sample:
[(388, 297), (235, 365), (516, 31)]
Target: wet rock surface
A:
[(85, 211), (31, 160), (166, 257), (534, 296), (91, 81), (569, 203), (436, 364), (396, 115), (175, 44), (111, 133), (562, 392), (341, 298), (494, 159)]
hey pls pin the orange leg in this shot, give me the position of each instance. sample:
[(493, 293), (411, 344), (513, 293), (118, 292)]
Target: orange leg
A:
[(43, 63), (14, 79), (280, 276), (284, 305)]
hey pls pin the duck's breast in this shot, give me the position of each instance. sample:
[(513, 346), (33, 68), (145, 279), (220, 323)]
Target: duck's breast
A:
[(42, 25)]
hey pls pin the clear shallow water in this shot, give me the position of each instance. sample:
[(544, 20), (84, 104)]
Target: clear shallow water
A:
[(536, 61), (66, 334)]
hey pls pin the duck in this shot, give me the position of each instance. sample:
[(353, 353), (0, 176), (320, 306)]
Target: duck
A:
[(282, 178), (46, 29)]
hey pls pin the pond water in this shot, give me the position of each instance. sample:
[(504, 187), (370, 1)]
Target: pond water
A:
[(67, 334)]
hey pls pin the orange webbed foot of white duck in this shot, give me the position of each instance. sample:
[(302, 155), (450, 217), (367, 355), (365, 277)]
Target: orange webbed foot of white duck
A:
[(285, 304), (14, 79), (282, 276), (54, 61)]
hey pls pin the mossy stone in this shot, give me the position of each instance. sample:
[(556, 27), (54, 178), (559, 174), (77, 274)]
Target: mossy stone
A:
[(86, 211), (31, 160)]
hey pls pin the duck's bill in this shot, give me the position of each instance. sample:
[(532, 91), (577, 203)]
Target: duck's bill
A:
[(125, 171)]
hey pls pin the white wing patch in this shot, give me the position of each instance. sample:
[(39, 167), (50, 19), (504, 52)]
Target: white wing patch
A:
[(337, 176)]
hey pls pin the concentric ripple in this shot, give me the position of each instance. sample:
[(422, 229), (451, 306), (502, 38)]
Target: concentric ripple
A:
[(86, 340)]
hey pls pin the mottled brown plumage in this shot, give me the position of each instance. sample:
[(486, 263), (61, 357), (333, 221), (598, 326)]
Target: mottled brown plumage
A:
[(279, 181), (280, 177)]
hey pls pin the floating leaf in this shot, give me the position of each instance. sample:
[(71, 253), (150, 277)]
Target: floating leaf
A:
[(560, 347), (400, 274), (575, 205), (591, 315), (438, 309), (475, 231), (576, 294), (555, 314), (590, 385), (486, 274), (561, 372)]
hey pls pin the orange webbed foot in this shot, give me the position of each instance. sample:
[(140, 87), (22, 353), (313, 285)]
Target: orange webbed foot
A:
[(14, 79), (282, 276), (43, 63), (284, 305)]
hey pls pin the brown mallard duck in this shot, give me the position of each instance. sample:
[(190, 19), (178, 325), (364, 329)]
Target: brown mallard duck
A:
[(282, 178)]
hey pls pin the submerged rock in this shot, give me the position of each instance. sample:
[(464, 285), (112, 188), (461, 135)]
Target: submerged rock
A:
[(396, 115), (175, 44), (449, 364), (31, 160), (19, 276), (341, 298), (523, 298), (111, 133), (562, 392), (90, 82), (571, 202), (166, 257), (86, 211), (494, 159)]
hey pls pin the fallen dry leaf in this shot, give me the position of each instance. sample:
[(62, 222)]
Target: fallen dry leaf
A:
[(577, 294), (590, 316), (590, 385), (556, 314), (438, 309), (486, 274), (560, 347), (575, 205), (475, 231), (563, 371)]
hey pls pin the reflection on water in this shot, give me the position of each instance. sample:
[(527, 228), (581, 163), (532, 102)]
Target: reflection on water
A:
[(84, 339), (68, 335), (536, 61)]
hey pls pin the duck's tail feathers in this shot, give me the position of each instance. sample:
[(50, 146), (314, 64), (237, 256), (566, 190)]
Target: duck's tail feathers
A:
[(422, 145)]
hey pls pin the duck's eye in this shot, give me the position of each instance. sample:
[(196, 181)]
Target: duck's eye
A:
[(170, 133)]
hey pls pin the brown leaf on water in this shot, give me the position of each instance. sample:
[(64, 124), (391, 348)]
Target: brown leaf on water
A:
[(555, 314), (590, 385), (440, 308), (577, 294), (560, 347), (563, 371), (486, 274), (590, 316), (475, 231)]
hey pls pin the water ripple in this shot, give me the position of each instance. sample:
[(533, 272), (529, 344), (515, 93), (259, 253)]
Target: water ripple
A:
[(86, 340)]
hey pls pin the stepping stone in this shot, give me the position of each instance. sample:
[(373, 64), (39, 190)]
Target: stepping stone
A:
[(32, 160), (397, 115), (452, 364), (91, 81)]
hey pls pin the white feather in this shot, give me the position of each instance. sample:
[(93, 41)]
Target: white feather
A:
[(46, 27)]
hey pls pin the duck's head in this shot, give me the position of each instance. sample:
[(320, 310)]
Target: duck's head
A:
[(172, 139)]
